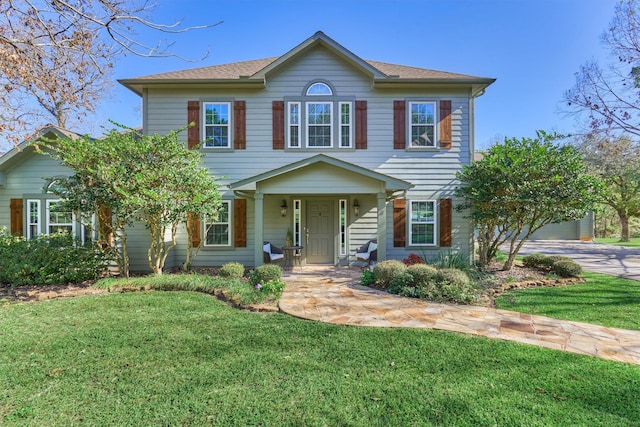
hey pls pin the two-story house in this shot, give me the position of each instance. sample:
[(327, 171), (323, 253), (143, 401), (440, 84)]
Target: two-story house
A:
[(332, 148)]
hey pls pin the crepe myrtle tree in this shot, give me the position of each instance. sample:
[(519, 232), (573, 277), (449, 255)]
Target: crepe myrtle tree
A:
[(520, 186), (129, 176)]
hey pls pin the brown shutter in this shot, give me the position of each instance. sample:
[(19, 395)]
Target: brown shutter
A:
[(278, 125), (445, 124), (240, 223), (239, 125), (399, 223), (193, 222), (105, 226), (193, 116), (361, 125), (16, 208), (399, 125), (446, 210)]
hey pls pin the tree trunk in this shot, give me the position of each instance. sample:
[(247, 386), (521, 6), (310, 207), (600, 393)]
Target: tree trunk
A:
[(625, 233)]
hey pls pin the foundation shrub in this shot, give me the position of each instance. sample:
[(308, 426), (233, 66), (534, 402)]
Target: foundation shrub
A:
[(265, 273), (400, 281), (422, 273), (48, 260), (386, 270), (232, 270), (452, 285)]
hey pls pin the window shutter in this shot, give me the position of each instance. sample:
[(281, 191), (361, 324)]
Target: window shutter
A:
[(399, 125), (446, 211), (240, 223), (193, 116), (399, 223), (193, 222), (278, 125), (16, 209), (445, 124), (239, 125), (105, 227), (361, 125)]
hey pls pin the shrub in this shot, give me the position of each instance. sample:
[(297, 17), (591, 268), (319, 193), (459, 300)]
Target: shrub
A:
[(386, 270), (400, 281), (413, 259), (453, 285), (422, 273), (265, 273), (368, 278), (48, 260), (535, 260), (566, 268), (272, 288), (452, 276), (232, 270)]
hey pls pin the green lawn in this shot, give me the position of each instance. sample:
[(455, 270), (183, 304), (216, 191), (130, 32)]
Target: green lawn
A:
[(603, 300), (633, 243), (184, 358)]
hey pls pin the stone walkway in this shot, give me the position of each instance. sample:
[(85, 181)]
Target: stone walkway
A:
[(332, 295)]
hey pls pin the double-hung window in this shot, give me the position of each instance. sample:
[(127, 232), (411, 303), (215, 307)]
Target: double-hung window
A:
[(319, 119), (218, 232), (216, 124), (422, 223), (422, 121), (59, 221), (319, 124)]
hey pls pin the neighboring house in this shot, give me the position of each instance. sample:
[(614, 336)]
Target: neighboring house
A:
[(319, 142)]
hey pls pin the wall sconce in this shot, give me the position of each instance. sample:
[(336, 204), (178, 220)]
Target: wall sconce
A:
[(283, 208), (356, 207)]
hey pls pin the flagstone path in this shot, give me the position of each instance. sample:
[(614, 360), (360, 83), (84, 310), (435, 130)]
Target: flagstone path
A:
[(332, 295)]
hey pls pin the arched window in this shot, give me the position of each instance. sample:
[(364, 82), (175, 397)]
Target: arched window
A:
[(319, 88)]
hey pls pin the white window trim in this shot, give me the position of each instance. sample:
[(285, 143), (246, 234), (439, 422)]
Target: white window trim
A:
[(342, 227), (348, 125), (38, 223), (410, 125), (204, 124), (319, 84), (229, 222), (48, 218), (434, 222), (290, 125), (307, 125)]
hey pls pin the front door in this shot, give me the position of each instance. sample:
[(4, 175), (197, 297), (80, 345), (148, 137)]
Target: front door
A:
[(320, 236)]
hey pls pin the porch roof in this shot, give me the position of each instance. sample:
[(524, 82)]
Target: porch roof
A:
[(390, 183)]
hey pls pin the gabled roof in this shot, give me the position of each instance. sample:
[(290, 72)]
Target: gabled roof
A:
[(391, 183), (253, 73), (49, 131)]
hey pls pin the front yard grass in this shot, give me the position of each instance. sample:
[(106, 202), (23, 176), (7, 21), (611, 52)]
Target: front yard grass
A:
[(185, 358), (603, 300), (633, 243)]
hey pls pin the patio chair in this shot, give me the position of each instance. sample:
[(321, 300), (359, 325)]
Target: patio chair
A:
[(368, 252), (272, 254)]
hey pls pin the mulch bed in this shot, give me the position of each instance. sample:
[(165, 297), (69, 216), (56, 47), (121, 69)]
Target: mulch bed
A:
[(518, 277)]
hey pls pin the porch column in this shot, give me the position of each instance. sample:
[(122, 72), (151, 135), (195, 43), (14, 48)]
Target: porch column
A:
[(382, 226), (258, 201)]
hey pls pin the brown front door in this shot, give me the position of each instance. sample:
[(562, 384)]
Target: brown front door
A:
[(320, 236)]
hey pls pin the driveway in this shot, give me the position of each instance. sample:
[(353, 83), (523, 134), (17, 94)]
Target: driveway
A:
[(597, 257)]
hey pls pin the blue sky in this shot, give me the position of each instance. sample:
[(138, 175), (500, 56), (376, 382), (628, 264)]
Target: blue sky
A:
[(532, 47)]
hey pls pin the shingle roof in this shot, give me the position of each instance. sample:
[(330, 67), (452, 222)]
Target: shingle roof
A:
[(235, 70)]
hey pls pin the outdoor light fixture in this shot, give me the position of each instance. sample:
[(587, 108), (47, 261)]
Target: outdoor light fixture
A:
[(356, 207), (283, 208)]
